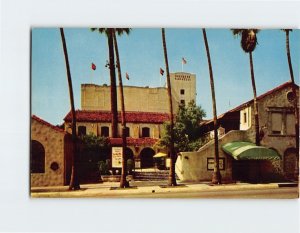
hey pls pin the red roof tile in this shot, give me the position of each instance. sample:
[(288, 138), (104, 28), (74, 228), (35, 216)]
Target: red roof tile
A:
[(47, 124), (105, 116), (134, 141)]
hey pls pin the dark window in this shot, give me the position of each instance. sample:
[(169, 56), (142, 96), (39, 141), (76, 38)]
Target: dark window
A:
[(81, 130), (182, 91), (104, 131), (127, 132), (182, 102), (145, 132), (245, 117), (37, 160)]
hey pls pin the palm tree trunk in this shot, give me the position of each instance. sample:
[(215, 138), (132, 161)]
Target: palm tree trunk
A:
[(216, 179), (113, 86), (123, 182), (295, 101), (172, 179), (74, 182), (256, 120)]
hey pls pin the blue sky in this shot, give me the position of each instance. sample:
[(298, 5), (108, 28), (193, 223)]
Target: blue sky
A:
[(141, 57)]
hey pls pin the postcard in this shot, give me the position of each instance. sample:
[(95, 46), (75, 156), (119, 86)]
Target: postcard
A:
[(164, 113)]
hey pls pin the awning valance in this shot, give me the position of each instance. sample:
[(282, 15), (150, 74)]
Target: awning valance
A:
[(160, 155), (249, 151)]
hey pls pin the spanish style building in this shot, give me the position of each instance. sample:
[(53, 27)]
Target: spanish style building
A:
[(277, 134), (51, 151), (146, 108)]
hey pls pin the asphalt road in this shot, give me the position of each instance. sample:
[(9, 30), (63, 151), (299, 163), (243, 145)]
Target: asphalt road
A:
[(280, 193)]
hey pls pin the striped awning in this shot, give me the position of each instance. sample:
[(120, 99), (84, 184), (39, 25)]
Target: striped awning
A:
[(249, 151)]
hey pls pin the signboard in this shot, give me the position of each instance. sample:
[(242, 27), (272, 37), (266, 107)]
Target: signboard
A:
[(210, 164), (137, 164), (117, 153), (168, 162)]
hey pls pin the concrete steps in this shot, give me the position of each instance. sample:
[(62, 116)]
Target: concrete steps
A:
[(151, 175)]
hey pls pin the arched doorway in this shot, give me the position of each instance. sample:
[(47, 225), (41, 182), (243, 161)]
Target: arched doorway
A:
[(37, 160), (290, 163), (146, 156), (129, 153)]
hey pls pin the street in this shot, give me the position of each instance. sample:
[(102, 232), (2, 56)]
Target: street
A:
[(154, 190)]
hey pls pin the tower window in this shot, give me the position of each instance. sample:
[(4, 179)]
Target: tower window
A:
[(182, 102), (182, 91)]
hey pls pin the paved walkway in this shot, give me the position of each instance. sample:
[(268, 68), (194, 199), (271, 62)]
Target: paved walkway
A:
[(111, 189)]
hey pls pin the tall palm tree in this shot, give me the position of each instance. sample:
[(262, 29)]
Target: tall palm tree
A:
[(111, 65), (113, 86), (248, 44), (172, 179), (216, 179), (74, 182), (295, 100), (123, 182)]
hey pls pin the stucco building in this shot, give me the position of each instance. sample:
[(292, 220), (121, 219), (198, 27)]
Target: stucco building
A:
[(50, 154), (147, 108), (143, 131), (142, 99), (277, 133)]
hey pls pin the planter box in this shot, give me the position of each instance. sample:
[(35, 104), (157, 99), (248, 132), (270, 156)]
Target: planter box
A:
[(114, 178)]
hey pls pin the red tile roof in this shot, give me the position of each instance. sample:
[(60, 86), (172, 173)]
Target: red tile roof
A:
[(134, 141), (105, 116), (47, 124)]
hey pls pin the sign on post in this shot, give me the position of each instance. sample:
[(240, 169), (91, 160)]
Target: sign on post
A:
[(117, 153)]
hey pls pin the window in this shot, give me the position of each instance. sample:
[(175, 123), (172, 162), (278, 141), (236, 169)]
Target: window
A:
[(282, 121), (145, 132), (290, 124), (276, 123), (37, 160), (127, 132), (211, 163), (182, 102), (182, 91), (81, 130), (104, 131), (245, 117)]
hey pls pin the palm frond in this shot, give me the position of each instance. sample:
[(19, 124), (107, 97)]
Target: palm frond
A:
[(121, 31)]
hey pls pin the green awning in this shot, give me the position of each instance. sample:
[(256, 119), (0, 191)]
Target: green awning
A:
[(160, 155), (249, 151)]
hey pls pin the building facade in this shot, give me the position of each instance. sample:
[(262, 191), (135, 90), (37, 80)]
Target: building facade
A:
[(277, 132), (143, 130), (147, 109), (142, 99), (49, 154)]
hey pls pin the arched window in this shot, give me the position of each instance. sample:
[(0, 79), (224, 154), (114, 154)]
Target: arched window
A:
[(104, 131), (81, 130), (37, 159), (145, 132)]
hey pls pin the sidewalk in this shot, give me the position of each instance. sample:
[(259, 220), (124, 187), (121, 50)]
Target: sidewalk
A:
[(111, 189)]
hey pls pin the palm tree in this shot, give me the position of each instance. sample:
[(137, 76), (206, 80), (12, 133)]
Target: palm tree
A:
[(74, 182), (111, 65), (216, 179), (123, 182), (172, 179), (113, 86), (295, 100), (248, 44)]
